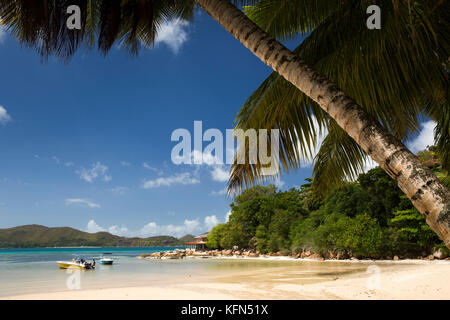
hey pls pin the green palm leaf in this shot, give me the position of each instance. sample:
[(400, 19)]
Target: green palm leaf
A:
[(384, 71), (131, 23)]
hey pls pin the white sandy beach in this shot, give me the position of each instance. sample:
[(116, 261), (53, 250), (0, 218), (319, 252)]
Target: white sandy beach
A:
[(407, 279)]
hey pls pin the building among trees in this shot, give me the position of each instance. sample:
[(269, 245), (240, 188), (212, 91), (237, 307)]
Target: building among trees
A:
[(199, 243)]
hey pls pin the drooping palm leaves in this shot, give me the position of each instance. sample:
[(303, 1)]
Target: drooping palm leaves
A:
[(41, 24), (397, 73), (287, 19)]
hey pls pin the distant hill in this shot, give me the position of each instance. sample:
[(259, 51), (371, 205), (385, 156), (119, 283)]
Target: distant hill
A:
[(30, 236), (187, 238)]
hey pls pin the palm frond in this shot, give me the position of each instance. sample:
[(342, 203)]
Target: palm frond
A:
[(287, 19), (339, 159), (383, 71), (131, 23), (442, 136), (42, 25), (92, 20)]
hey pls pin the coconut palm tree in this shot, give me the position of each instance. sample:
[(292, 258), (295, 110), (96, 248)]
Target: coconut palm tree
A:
[(413, 178), (41, 24), (362, 62)]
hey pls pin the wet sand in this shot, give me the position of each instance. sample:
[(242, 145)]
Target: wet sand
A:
[(407, 279)]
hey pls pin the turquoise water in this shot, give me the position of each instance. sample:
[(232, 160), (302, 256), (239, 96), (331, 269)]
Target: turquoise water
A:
[(25, 271), (20, 255)]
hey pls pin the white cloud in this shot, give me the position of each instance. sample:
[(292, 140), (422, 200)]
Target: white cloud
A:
[(150, 229), (4, 116), (119, 190), (181, 178), (220, 192), (188, 227), (219, 171), (118, 231), (425, 137), (193, 226), (69, 164), (369, 164), (82, 202), (227, 216), (220, 174), (278, 183), (420, 142), (148, 167), (93, 227), (125, 164), (97, 170), (56, 159), (211, 222), (2, 35), (205, 158), (173, 33)]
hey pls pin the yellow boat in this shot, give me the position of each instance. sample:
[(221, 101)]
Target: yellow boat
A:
[(70, 265), (74, 265)]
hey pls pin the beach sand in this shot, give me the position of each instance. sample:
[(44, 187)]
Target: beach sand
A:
[(413, 279)]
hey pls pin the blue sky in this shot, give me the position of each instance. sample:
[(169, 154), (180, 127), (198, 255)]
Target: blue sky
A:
[(87, 144)]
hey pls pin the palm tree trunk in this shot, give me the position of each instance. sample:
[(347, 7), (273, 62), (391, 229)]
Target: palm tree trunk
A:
[(425, 190)]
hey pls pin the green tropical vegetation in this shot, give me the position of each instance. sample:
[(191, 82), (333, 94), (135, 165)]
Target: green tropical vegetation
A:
[(366, 218), (34, 236), (390, 78)]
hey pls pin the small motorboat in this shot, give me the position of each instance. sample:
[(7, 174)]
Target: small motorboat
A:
[(106, 259), (77, 263)]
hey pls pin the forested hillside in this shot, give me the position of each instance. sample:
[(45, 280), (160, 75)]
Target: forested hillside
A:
[(41, 236)]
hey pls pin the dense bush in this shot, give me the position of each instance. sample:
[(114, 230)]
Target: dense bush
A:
[(367, 218)]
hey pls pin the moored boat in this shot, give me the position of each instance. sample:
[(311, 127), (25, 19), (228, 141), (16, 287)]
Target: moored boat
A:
[(70, 265), (106, 259), (77, 263)]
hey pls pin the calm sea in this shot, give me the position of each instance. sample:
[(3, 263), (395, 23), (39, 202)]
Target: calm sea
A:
[(34, 270), (24, 271)]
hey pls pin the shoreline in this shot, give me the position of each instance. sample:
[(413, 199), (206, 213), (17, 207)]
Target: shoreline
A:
[(404, 279), (87, 247), (230, 254), (288, 258)]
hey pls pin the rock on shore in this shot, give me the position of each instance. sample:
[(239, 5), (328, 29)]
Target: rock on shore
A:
[(306, 254)]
